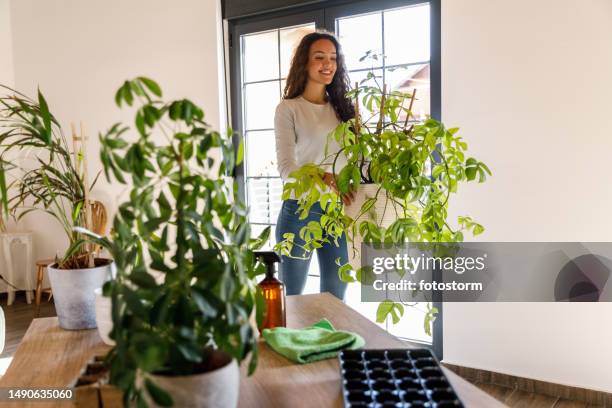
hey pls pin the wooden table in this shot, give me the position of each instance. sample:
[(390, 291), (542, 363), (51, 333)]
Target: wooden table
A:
[(51, 357), (278, 382)]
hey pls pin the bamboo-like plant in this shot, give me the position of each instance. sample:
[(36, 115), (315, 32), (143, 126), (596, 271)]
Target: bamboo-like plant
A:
[(181, 243), (53, 184), (415, 165)]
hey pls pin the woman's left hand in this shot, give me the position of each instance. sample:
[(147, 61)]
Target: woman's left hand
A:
[(347, 198)]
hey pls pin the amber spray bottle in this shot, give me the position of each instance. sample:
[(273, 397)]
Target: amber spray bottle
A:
[(273, 292)]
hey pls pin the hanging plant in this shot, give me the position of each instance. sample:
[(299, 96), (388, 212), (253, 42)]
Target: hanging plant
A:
[(404, 172)]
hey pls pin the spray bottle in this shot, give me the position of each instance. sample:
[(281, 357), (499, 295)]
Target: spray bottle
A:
[(273, 292)]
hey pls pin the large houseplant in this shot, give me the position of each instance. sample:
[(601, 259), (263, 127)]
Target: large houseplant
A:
[(184, 289), (50, 181), (403, 171)]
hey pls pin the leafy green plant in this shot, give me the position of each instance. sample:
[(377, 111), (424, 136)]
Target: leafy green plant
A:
[(53, 184), (416, 166), (181, 244)]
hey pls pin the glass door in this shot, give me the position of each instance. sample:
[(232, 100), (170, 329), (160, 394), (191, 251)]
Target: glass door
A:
[(406, 32), (399, 38), (262, 58)]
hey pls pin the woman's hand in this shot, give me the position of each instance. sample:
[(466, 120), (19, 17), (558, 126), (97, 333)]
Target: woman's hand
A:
[(347, 198)]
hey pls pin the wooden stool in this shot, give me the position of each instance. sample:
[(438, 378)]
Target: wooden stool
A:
[(40, 268)]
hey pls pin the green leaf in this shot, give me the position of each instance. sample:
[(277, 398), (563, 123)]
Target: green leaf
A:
[(261, 240), (429, 318), (3, 191), (119, 96), (133, 301), (142, 279), (140, 123), (356, 177), (76, 211), (470, 173), (165, 209), (388, 307), (46, 116), (152, 85), (190, 352), (478, 229), (203, 304), (344, 273), (158, 395), (344, 178), (240, 154)]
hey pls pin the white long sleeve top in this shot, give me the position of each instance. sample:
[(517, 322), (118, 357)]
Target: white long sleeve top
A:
[(301, 130)]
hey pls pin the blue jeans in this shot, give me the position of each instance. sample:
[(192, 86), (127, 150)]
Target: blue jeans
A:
[(294, 272)]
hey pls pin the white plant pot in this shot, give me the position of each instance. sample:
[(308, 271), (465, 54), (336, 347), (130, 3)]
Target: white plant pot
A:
[(377, 214), (104, 318), (214, 389), (73, 292)]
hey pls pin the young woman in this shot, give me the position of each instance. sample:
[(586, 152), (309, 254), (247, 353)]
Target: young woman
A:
[(313, 105)]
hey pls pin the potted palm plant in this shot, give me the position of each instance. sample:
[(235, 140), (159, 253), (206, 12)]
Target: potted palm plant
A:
[(184, 288), (54, 183), (403, 171)]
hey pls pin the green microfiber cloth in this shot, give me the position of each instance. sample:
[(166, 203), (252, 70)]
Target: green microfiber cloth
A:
[(313, 343)]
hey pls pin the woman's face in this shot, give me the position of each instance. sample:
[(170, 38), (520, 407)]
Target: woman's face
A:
[(322, 61)]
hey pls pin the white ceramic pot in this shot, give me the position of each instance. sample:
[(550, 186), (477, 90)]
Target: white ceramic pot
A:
[(104, 318), (377, 214), (73, 293), (214, 389)]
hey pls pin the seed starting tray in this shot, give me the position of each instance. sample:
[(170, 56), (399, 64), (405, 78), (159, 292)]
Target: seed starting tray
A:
[(394, 378)]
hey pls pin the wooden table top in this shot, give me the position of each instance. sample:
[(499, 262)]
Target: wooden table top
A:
[(51, 357), (278, 382)]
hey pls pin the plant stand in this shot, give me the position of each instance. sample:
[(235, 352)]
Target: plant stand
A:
[(8, 239)]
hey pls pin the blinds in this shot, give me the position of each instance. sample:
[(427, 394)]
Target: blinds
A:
[(233, 9)]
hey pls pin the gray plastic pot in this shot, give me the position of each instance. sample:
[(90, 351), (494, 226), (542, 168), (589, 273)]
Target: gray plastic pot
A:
[(73, 291)]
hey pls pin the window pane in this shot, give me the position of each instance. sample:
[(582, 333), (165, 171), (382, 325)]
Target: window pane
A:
[(260, 102), (260, 56), (260, 154), (367, 309), (407, 35), (407, 80), (313, 283), (264, 198), (356, 40), (289, 39), (410, 325)]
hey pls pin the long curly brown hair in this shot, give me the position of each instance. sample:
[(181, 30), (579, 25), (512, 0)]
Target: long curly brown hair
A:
[(336, 90)]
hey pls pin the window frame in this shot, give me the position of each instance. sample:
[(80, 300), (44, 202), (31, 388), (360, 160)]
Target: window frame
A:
[(324, 14)]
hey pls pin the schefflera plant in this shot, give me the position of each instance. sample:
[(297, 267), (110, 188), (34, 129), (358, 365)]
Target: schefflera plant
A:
[(181, 243), (415, 165)]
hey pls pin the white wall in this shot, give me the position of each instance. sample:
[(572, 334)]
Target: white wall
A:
[(529, 83), (79, 53), (6, 45)]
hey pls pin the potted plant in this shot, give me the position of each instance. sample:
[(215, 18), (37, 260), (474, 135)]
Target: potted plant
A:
[(184, 288), (403, 172), (52, 183)]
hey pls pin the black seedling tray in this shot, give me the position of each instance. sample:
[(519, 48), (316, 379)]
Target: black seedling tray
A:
[(394, 378)]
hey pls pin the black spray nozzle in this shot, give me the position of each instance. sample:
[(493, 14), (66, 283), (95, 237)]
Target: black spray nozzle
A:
[(269, 258)]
